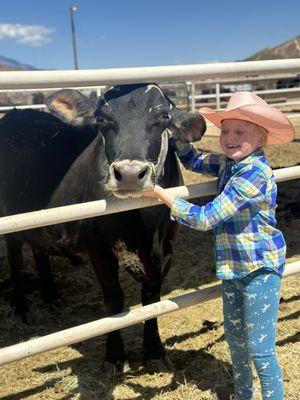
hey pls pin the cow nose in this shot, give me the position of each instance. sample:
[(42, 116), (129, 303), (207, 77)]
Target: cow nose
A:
[(130, 173)]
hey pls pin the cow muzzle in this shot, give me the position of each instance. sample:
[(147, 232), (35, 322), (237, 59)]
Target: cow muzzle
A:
[(129, 178)]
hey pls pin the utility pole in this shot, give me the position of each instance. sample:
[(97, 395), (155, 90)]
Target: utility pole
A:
[(72, 10)]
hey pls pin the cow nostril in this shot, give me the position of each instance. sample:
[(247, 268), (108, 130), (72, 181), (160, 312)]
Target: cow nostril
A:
[(118, 176), (142, 174)]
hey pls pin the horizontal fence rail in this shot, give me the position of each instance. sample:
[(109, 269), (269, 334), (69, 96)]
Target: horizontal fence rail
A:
[(23, 107), (50, 89), (36, 219), (192, 97), (51, 79), (259, 92), (261, 77), (122, 320)]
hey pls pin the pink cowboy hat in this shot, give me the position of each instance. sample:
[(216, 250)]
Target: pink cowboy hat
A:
[(247, 106)]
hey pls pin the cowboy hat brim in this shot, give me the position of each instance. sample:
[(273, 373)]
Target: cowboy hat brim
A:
[(279, 128)]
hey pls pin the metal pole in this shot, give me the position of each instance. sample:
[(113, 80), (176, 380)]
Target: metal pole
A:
[(188, 95), (72, 10), (218, 104), (193, 97), (121, 76), (57, 215)]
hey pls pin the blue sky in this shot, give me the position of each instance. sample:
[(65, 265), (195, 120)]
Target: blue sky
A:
[(131, 33)]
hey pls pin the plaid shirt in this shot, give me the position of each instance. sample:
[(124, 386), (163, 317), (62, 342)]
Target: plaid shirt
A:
[(242, 215)]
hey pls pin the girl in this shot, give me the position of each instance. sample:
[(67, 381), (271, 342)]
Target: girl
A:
[(249, 250)]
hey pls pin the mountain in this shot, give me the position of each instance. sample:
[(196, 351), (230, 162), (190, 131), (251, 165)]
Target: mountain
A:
[(10, 64), (289, 49)]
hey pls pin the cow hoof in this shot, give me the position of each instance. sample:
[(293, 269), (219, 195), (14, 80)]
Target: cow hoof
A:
[(116, 369), (159, 365)]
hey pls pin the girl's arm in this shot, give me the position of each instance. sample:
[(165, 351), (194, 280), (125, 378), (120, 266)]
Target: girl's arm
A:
[(208, 163), (244, 190)]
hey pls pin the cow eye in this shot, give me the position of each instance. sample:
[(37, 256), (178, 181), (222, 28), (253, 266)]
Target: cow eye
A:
[(165, 116), (101, 120)]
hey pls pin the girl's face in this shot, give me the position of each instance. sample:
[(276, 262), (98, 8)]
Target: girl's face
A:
[(240, 138)]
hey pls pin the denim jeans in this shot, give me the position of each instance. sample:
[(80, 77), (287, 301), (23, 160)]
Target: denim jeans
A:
[(250, 306)]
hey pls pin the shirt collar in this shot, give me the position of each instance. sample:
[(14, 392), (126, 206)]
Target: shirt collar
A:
[(247, 160)]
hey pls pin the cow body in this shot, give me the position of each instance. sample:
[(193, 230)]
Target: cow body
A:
[(116, 148)]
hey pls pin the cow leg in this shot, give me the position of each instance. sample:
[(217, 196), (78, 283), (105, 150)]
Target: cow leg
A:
[(106, 268), (42, 263), (157, 261), (153, 348), (151, 287), (15, 261)]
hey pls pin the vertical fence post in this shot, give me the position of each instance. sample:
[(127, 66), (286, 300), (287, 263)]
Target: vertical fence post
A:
[(218, 103), (193, 103), (188, 95)]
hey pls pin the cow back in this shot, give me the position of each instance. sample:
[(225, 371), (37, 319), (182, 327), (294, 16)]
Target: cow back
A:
[(36, 151)]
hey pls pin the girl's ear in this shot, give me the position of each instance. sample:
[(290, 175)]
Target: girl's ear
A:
[(263, 136)]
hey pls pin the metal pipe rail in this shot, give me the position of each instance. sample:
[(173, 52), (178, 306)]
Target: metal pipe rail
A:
[(4, 109), (193, 97), (209, 81), (57, 215), (105, 325), (246, 79), (50, 89), (50, 79), (266, 91)]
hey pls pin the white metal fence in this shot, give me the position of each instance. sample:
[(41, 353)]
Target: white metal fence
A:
[(50, 79), (191, 96)]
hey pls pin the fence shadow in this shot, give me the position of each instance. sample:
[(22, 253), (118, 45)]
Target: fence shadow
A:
[(188, 366)]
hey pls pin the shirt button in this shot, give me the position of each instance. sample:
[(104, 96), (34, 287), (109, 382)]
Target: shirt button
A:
[(219, 258)]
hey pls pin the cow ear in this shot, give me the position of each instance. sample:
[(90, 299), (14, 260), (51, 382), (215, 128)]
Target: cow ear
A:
[(72, 107), (187, 127)]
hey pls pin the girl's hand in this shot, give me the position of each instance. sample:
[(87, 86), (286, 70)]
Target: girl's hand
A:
[(160, 193), (153, 194)]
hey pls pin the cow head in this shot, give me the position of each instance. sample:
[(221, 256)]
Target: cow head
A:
[(134, 122)]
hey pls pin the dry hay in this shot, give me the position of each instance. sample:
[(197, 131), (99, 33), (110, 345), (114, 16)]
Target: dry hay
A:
[(194, 337)]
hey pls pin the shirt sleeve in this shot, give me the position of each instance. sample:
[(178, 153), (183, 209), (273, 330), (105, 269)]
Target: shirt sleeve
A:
[(245, 189), (206, 163)]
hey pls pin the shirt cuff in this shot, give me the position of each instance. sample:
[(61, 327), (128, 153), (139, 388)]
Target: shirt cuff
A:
[(178, 145), (179, 209)]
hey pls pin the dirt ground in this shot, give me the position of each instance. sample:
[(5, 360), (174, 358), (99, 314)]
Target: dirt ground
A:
[(194, 337)]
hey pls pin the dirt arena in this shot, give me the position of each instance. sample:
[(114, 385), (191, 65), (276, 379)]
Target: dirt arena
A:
[(194, 337)]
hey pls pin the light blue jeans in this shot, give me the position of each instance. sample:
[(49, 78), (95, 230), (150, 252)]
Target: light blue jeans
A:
[(250, 306)]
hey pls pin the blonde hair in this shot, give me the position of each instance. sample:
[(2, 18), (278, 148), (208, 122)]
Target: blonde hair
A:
[(263, 132)]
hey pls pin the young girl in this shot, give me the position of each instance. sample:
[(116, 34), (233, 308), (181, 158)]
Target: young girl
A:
[(249, 250)]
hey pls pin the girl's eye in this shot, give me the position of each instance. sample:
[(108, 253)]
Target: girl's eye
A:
[(223, 132), (239, 133)]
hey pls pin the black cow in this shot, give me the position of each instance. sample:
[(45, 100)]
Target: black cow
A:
[(116, 148)]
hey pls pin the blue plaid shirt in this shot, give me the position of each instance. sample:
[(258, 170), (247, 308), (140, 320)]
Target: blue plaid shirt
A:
[(242, 215)]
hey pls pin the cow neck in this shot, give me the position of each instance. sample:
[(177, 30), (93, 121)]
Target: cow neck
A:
[(163, 152)]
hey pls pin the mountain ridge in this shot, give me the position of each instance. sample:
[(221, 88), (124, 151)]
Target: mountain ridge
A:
[(288, 49), (11, 64)]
